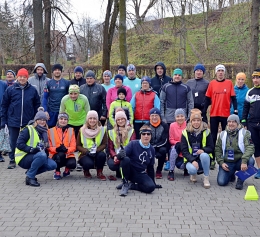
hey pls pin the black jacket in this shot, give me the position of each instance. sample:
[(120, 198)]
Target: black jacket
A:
[(80, 82), (160, 135)]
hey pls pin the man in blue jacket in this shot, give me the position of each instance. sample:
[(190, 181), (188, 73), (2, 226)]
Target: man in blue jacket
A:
[(19, 106), (3, 87)]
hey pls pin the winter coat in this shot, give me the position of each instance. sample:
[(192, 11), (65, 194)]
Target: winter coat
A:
[(158, 82), (245, 155), (175, 132), (160, 135), (19, 105), (96, 95), (79, 82), (175, 95)]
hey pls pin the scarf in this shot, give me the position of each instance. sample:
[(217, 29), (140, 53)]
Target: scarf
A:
[(43, 132), (90, 133), (9, 83), (62, 128), (156, 124), (122, 134)]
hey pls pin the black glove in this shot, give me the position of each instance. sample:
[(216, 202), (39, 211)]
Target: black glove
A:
[(34, 150), (121, 155), (158, 186), (61, 148), (178, 147), (244, 123)]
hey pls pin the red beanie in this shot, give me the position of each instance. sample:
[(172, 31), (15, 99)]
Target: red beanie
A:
[(23, 72)]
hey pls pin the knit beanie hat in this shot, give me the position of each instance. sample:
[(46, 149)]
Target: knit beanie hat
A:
[(256, 72), (92, 114), (241, 75), (195, 114), (200, 67), (120, 114), (118, 76), (63, 115), (155, 111), (177, 71), (57, 66), (121, 90), (131, 67), (179, 111), (122, 67), (220, 67), (23, 72), (40, 114), (79, 69), (74, 88), (107, 73), (11, 72), (90, 74), (146, 78), (233, 117)]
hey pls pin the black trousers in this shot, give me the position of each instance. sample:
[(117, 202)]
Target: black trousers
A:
[(88, 162), (214, 122), (63, 161), (160, 154), (76, 129)]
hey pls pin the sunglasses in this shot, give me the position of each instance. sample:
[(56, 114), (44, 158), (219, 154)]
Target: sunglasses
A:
[(146, 133)]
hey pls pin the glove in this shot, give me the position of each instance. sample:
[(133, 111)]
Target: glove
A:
[(34, 150), (61, 148), (121, 155), (158, 186), (178, 147)]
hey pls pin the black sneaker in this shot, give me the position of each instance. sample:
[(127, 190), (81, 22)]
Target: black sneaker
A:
[(2, 159), (124, 190), (11, 165), (239, 184)]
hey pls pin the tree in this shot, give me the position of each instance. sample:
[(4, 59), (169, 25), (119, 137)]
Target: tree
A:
[(122, 32), (108, 32), (254, 47)]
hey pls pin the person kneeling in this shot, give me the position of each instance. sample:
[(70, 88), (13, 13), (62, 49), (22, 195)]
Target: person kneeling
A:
[(118, 138), (137, 164), (62, 145), (234, 150), (197, 146), (30, 149), (91, 142)]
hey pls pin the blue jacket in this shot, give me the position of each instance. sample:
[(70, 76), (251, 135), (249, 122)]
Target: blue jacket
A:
[(240, 95), (19, 105), (3, 86)]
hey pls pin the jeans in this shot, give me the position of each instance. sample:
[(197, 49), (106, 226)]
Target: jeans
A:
[(67, 162), (224, 176), (36, 164), (13, 135), (88, 162), (204, 163), (144, 182)]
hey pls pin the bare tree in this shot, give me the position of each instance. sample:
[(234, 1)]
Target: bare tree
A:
[(122, 32)]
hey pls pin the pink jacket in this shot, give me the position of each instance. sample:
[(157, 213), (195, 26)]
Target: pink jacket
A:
[(176, 132), (112, 95)]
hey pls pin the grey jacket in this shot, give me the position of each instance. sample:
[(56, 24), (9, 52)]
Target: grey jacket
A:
[(37, 82)]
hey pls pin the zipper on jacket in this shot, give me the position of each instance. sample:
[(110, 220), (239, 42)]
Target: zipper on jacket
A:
[(22, 109)]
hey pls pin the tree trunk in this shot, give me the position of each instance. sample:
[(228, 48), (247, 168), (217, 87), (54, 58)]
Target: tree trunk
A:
[(47, 35), (122, 32), (38, 32), (183, 33), (220, 4), (254, 48)]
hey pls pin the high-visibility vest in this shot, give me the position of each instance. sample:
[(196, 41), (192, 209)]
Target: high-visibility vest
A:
[(32, 142), (56, 140), (241, 145), (88, 143), (112, 135), (204, 141)]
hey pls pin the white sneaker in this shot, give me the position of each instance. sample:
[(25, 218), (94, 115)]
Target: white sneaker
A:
[(206, 182), (193, 178)]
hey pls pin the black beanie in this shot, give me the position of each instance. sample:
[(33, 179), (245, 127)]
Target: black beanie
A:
[(122, 67), (56, 66), (122, 90)]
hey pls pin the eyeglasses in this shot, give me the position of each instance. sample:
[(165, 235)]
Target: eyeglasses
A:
[(146, 133)]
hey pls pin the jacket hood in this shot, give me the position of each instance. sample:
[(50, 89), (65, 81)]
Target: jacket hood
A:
[(40, 65), (190, 129), (162, 65)]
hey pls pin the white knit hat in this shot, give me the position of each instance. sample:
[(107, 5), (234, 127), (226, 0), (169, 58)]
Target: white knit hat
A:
[(120, 114), (220, 67)]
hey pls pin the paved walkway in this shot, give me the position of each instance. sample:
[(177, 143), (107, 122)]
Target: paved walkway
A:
[(75, 206)]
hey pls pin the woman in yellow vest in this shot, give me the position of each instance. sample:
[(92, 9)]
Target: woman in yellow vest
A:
[(62, 143), (91, 142), (196, 147), (118, 137), (30, 149)]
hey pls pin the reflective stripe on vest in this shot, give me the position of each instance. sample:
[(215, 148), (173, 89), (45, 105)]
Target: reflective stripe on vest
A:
[(241, 145), (204, 140), (32, 142), (88, 142), (112, 135)]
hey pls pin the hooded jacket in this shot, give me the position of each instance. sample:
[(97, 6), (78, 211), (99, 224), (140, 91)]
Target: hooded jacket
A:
[(158, 82), (19, 105), (39, 83)]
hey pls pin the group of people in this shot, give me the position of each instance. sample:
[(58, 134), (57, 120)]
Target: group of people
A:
[(128, 122)]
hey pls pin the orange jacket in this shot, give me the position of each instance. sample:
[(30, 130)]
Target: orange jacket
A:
[(56, 137)]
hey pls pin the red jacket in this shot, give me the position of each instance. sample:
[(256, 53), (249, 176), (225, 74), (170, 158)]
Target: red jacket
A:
[(144, 102)]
